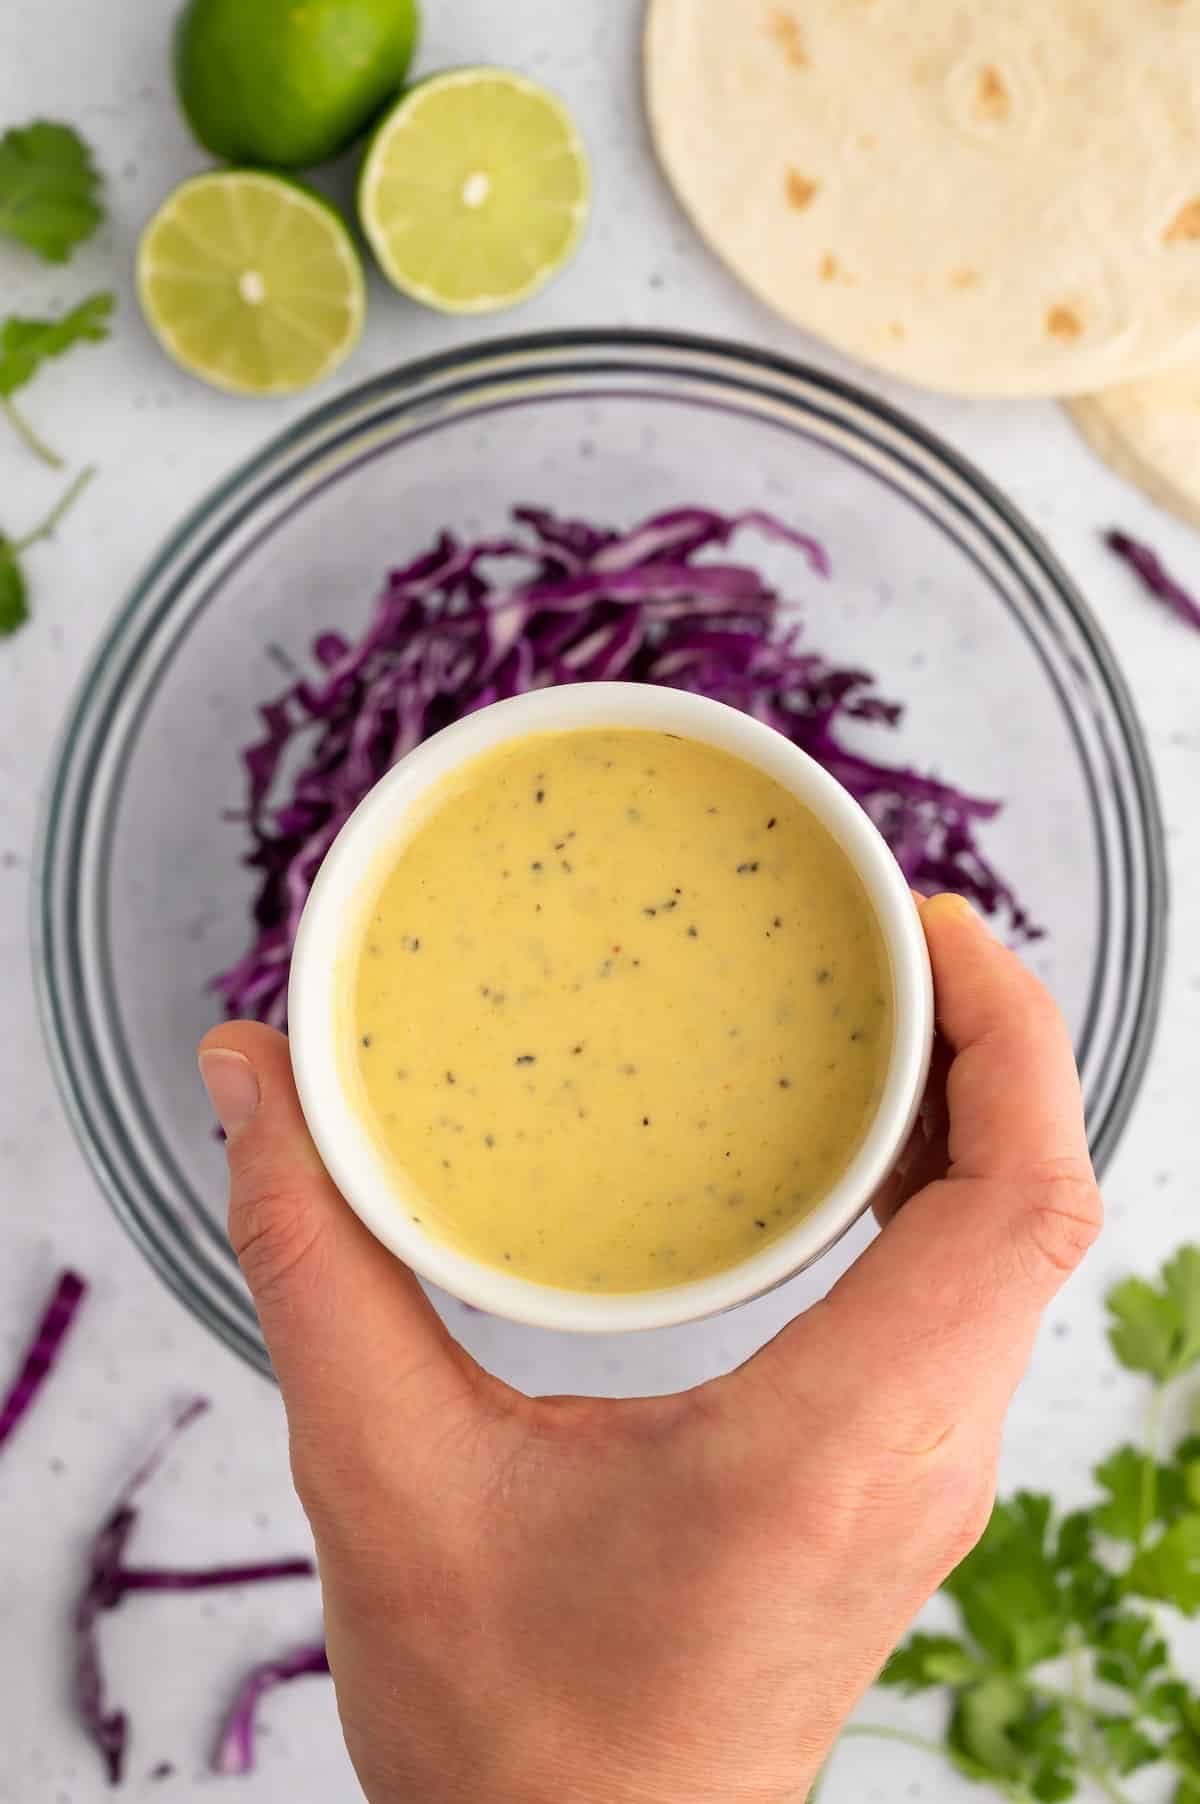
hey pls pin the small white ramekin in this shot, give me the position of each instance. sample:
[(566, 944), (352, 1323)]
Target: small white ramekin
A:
[(323, 971)]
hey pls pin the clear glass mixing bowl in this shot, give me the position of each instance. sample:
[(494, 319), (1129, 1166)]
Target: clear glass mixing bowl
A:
[(939, 587)]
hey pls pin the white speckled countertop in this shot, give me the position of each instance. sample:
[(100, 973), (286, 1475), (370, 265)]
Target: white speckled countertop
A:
[(161, 441)]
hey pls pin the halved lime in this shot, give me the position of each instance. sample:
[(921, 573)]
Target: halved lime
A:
[(251, 283), (475, 190)]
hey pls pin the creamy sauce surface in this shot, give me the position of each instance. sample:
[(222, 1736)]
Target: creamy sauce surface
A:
[(621, 1014)]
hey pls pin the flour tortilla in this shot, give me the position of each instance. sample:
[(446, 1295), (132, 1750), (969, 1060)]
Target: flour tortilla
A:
[(1149, 433), (996, 198)]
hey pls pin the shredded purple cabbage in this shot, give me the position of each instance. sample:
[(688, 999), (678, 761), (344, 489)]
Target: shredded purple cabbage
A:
[(559, 601), (110, 1580), (1148, 567), (109, 1729), (234, 1752), (44, 1349)]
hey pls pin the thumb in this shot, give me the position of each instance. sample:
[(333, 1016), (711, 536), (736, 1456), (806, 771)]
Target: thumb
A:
[(353, 1339)]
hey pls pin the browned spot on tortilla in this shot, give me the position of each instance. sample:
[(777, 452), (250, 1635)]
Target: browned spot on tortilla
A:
[(1064, 323), (1185, 227), (867, 141), (992, 98), (784, 27), (800, 191), (965, 278), (897, 330), (829, 267)]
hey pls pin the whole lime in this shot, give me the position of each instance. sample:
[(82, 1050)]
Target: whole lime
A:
[(290, 83)]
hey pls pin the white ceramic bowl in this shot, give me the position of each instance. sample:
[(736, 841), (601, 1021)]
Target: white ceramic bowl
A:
[(330, 934)]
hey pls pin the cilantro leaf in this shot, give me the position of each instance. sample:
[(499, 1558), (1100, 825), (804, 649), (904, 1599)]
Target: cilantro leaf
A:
[(1166, 1701), (1008, 1588), (1181, 1275), (1144, 1329), (14, 595), (1001, 1732), (1123, 1477), (980, 1730), (1179, 1483), (1089, 1591), (1157, 1331), (1052, 1785), (1053, 1762), (26, 343), (1188, 1792), (49, 189), (1074, 1540), (928, 1660), (1170, 1569), (1187, 1466), (1129, 1748), (1183, 1749), (1141, 1493), (1131, 1654)]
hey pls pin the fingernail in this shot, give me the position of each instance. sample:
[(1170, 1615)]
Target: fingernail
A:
[(232, 1088), (960, 908)]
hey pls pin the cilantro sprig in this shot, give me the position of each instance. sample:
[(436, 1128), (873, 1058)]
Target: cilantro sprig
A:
[(1061, 1681), (50, 203), (25, 344), (49, 189), (14, 590)]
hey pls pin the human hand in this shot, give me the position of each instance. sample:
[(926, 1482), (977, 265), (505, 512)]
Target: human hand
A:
[(571, 1601)]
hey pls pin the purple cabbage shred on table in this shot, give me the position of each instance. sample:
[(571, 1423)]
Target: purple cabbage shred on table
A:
[(559, 601), (110, 1580), (1153, 575), (234, 1752), (44, 1349)]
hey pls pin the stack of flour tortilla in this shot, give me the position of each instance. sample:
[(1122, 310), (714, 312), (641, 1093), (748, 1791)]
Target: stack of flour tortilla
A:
[(986, 197)]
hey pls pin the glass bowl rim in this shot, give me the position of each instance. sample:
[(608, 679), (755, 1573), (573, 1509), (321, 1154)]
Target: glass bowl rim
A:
[(511, 358)]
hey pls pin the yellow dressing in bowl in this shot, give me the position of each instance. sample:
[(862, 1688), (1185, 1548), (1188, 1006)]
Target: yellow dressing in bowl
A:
[(622, 1011)]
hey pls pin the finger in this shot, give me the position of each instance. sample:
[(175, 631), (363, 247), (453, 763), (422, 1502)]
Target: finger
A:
[(350, 1332), (1013, 1088), (926, 1158), (922, 1164), (933, 1326)]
